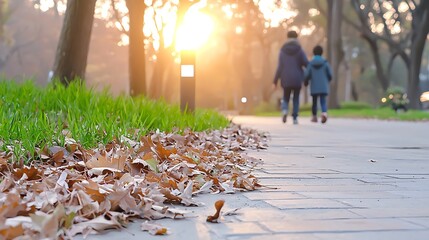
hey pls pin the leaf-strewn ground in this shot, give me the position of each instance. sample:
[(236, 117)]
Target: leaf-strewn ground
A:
[(75, 161), (74, 190)]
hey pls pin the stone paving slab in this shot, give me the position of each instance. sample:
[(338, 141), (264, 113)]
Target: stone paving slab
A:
[(360, 176), (412, 194), (262, 175), (423, 221), (297, 171), (385, 202), (272, 214), (351, 195), (399, 212), (342, 225), (338, 188), (377, 235), (286, 204), (239, 228), (272, 195), (310, 182), (276, 236)]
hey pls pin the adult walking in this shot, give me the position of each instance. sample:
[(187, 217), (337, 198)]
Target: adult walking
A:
[(290, 71)]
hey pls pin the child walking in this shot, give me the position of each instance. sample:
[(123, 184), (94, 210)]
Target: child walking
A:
[(318, 73)]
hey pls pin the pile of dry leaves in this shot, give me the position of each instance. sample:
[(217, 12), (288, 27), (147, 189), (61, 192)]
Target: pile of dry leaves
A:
[(79, 191)]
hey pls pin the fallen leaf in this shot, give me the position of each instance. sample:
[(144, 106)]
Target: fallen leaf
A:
[(32, 173), (95, 225), (154, 229), (11, 205), (232, 212), (152, 163), (104, 161), (49, 224), (228, 187), (12, 232), (218, 205), (205, 188)]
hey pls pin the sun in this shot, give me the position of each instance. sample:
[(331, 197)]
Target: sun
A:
[(195, 30)]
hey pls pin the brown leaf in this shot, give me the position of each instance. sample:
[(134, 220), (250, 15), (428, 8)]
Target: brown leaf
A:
[(32, 173), (103, 161), (154, 229), (218, 206), (152, 177), (12, 232), (12, 205), (49, 224), (170, 197), (164, 153), (121, 197), (97, 224), (58, 158), (6, 183), (3, 161)]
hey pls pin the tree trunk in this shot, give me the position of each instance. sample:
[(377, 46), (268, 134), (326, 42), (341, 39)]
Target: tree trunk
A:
[(421, 30), (157, 80), (73, 46), (335, 52), (381, 76), (355, 94), (348, 83), (137, 55), (3, 17)]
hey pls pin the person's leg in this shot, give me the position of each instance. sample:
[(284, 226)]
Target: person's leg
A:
[(296, 92), (285, 103), (324, 107), (314, 108)]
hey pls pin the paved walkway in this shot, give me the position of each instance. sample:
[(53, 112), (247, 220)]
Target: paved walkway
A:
[(348, 179)]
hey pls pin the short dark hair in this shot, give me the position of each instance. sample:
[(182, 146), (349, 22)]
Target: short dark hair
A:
[(292, 34), (318, 50)]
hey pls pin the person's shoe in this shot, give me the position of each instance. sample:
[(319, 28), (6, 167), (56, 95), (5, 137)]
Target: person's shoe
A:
[(314, 119), (295, 121), (324, 117), (284, 118)]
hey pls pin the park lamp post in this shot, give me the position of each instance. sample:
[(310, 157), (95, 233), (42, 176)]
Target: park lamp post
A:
[(187, 80), (193, 33)]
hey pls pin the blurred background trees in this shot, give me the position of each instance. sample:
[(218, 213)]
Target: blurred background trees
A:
[(372, 45)]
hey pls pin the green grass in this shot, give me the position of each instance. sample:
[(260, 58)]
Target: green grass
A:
[(32, 117), (362, 110)]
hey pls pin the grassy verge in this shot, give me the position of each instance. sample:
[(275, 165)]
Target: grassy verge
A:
[(358, 110), (32, 118)]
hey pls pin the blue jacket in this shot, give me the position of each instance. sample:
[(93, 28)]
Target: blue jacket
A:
[(292, 61), (319, 74)]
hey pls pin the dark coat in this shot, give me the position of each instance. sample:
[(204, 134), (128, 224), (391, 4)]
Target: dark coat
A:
[(319, 74), (292, 61)]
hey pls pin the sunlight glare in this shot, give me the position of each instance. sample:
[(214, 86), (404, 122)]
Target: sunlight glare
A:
[(45, 5), (194, 31), (276, 12), (313, 12)]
